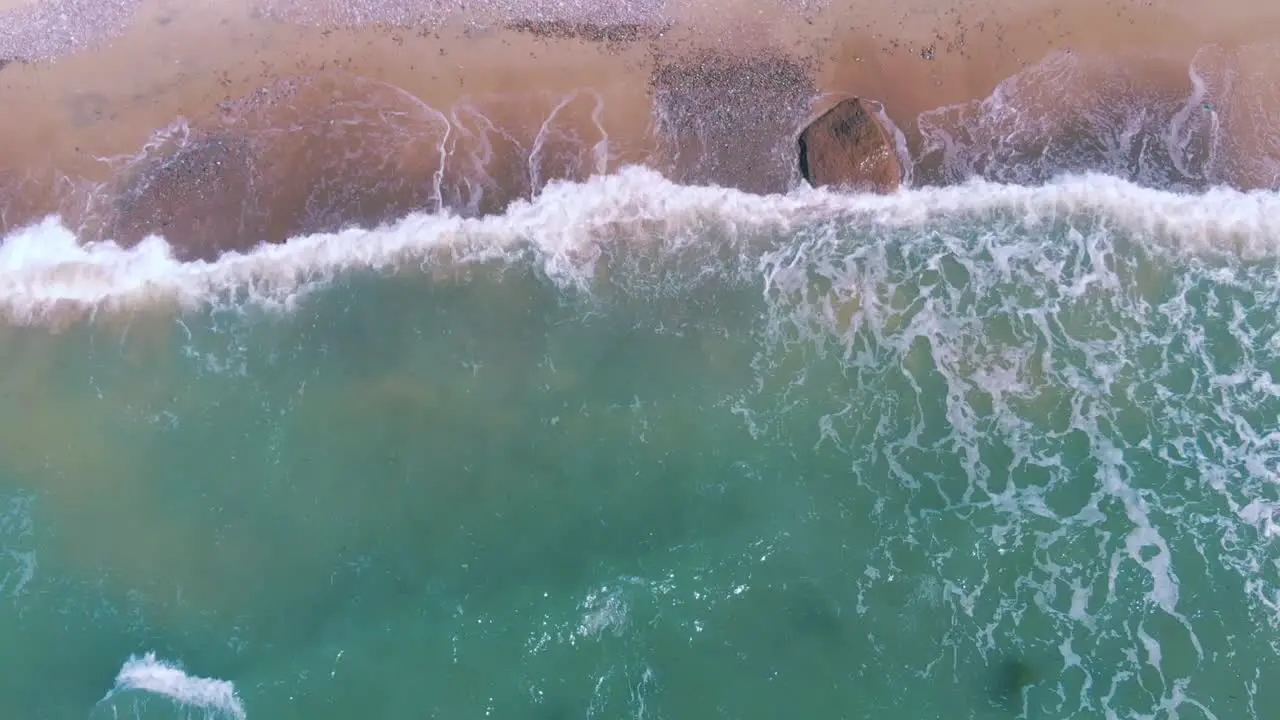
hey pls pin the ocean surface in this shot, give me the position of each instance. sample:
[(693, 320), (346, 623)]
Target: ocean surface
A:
[(638, 449)]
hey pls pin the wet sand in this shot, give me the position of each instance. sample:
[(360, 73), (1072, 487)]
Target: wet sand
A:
[(305, 116)]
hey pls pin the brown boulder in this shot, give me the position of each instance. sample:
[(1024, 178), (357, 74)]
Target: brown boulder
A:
[(848, 146)]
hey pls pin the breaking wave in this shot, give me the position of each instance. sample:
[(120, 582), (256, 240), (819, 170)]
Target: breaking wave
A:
[(46, 272), (152, 676)]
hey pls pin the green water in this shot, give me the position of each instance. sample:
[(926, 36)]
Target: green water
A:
[(979, 471)]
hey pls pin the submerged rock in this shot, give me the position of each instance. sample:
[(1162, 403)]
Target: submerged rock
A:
[(848, 146), (1010, 678)]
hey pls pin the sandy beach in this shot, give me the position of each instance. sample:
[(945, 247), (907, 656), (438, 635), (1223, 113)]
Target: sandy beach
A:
[(322, 113)]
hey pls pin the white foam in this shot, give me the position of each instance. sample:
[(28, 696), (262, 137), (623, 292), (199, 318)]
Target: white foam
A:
[(147, 674), (1047, 349), (17, 556), (14, 581), (45, 271)]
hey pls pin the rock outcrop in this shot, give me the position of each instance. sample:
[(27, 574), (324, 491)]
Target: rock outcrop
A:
[(848, 146)]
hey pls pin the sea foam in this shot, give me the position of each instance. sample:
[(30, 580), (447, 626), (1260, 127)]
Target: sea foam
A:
[(151, 675), (46, 272)]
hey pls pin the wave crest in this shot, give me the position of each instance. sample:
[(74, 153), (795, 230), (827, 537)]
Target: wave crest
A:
[(48, 273), (151, 675)]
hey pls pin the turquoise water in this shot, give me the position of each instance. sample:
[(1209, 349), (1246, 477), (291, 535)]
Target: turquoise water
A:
[(727, 458)]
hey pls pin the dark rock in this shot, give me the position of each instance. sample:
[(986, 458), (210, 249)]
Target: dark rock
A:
[(1011, 676), (848, 146)]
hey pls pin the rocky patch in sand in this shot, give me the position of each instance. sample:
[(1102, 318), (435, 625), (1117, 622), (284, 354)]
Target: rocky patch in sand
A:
[(605, 33), (51, 28), (727, 119), (199, 195)]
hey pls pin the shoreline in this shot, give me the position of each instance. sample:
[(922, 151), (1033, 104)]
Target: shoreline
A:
[(515, 97)]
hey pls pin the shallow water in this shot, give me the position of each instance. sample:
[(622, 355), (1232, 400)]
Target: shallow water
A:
[(644, 450)]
